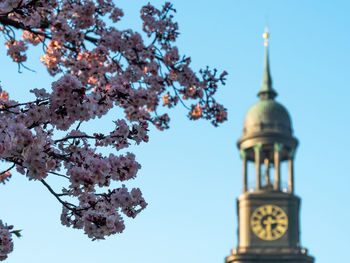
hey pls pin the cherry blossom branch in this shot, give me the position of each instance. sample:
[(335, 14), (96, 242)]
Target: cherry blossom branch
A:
[(65, 204), (77, 137), (37, 101), (61, 175), (94, 41)]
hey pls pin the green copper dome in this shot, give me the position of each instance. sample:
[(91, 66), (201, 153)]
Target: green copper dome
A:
[(267, 116)]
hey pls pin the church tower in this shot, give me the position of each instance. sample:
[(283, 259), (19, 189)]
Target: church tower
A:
[(268, 212)]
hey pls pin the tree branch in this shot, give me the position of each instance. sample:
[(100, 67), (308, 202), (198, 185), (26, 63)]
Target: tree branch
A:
[(65, 204)]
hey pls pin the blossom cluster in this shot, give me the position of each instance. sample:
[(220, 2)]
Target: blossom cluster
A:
[(16, 50), (6, 243), (97, 67), (97, 216)]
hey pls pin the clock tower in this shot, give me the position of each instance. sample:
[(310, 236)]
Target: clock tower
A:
[(268, 210)]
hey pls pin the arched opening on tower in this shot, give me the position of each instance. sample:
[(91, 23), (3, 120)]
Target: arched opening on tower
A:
[(268, 167), (284, 176)]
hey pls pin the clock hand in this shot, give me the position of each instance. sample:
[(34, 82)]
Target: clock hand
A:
[(268, 223)]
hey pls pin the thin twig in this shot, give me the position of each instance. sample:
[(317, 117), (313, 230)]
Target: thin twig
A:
[(8, 169), (75, 137), (62, 175), (65, 204)]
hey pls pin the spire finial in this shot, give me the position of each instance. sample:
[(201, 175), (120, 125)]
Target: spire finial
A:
[(266, 36), (267, 92)]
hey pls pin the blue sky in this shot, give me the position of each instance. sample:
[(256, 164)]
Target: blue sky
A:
[(191, 174)]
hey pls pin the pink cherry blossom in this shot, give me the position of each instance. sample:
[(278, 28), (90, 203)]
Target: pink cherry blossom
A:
[(97, 67), (6, 243)]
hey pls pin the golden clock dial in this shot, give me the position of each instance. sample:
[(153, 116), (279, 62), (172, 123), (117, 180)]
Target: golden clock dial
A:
[(269, 222)]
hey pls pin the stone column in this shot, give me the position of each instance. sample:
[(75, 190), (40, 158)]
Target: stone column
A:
[(277, 182), (257, 150), (291, 171), (245, 176)]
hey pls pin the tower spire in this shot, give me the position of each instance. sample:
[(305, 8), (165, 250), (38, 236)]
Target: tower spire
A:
[(267, 92)]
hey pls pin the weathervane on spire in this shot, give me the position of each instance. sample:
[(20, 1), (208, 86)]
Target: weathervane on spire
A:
[(266, 36)]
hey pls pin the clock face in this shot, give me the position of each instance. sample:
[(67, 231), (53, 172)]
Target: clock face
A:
[(269, 222)]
